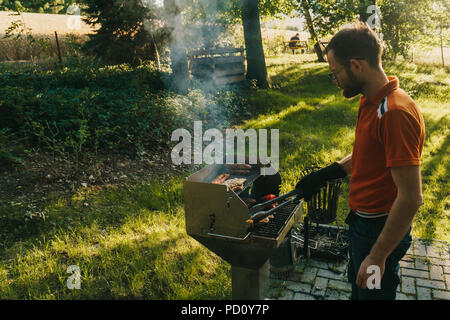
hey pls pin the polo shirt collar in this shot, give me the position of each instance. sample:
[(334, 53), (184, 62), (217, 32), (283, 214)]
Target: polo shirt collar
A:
[(376, 99)]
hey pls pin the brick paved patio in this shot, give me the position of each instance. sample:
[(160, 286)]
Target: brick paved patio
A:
[(424, 273)]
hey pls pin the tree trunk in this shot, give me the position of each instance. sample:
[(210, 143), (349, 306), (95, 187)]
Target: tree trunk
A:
[(156, 53), (256, 63), (178, 57), (442, 49), (363, 5), (312, 32)]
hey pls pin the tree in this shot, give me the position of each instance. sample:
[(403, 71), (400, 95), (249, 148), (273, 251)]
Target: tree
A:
[(437, 31), (403, 22), (256, 64), (363, 5), (305, 6), (324, 17), (122, 36), (42, 6)]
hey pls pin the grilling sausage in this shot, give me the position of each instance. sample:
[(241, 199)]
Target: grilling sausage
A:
[(221, 178)]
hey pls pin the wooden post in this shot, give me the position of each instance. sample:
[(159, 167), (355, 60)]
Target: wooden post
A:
[(57, 46)]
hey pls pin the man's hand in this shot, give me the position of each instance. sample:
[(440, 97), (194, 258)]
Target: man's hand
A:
[(409, 198), (361, 279)]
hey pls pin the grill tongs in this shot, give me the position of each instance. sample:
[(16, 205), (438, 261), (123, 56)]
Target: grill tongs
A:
[(258, 212)]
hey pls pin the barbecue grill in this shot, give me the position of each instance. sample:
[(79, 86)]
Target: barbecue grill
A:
[(217, 217)]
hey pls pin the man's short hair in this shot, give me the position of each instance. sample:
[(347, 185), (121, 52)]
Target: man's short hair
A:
[(356, 41)]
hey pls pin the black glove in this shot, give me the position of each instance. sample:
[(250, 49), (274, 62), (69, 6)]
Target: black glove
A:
[(312, 182)]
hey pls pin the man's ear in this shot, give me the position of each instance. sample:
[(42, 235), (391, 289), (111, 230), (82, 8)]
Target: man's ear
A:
[(356, 65)]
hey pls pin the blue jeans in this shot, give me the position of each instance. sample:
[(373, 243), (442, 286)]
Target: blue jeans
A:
[(363, 233)]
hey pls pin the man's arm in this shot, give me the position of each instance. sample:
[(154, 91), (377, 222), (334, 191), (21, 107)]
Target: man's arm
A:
[(409, 199), (346, 164)]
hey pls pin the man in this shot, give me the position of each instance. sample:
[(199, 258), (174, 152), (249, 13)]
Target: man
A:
[(293, 43), (385, 184)]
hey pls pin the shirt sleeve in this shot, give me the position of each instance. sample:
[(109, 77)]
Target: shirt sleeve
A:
[(401, 135)]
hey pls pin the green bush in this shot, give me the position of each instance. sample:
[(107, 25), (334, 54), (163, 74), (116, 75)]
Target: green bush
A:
[(86, 108)]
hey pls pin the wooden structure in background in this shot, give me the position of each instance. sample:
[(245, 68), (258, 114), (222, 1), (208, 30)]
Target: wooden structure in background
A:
[(222, 66), (296, 45)]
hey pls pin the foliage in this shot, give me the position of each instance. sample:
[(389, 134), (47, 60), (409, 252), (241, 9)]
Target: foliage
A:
[(403, 23), (329, 15), (41, 6), (130, 242), (85, 108), (129, 31)]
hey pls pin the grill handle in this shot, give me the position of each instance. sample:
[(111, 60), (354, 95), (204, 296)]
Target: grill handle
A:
[(260, 207), (228, 237)]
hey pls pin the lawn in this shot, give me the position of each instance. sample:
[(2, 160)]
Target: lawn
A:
[(130, 241)]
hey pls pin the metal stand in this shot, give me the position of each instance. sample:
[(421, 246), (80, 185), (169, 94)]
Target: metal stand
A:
[(306, 252), (249, 284)]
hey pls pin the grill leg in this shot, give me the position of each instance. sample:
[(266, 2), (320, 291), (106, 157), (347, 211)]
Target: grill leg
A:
[(249, 284), (306, 237)]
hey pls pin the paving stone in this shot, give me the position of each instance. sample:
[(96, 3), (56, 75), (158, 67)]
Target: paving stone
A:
[(300, 287), (441, 262), (332, 294), (318, 264), (330, 274), (286, 295), (439, 294), (423, 293), (303, 296), (406, 264), (402, 296), (424, 270), (421, 265), (408, 285), (320, 287), (419, 249), (414, 273), (340, 285), (436, 273), (434, 284), (410, 250), (434, 252), (309, 275), (345, 295), (408, 258), (338, 267)]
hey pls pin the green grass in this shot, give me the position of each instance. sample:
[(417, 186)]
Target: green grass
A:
[(317, 126), (130, 242)]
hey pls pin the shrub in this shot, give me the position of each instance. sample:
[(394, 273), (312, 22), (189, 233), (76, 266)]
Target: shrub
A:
[(86, 108)]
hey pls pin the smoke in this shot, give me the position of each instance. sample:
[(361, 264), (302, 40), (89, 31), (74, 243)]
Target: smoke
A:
[(195, 25)]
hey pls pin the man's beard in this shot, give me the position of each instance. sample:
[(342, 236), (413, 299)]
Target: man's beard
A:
[(355, 86)]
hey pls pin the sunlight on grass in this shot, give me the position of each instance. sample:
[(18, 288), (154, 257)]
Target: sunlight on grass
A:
[(130, 242), (148, 255)]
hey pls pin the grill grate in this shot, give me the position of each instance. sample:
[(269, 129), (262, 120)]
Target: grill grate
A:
[(273, 228)]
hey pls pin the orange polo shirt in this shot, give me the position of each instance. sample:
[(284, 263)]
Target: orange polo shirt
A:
[(390, 132)]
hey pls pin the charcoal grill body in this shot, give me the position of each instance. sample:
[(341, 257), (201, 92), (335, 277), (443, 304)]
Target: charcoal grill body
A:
[(215, 217)]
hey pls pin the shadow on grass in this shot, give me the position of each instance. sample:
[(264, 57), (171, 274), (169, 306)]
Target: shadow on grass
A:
[(291, 86), (435, 169)]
